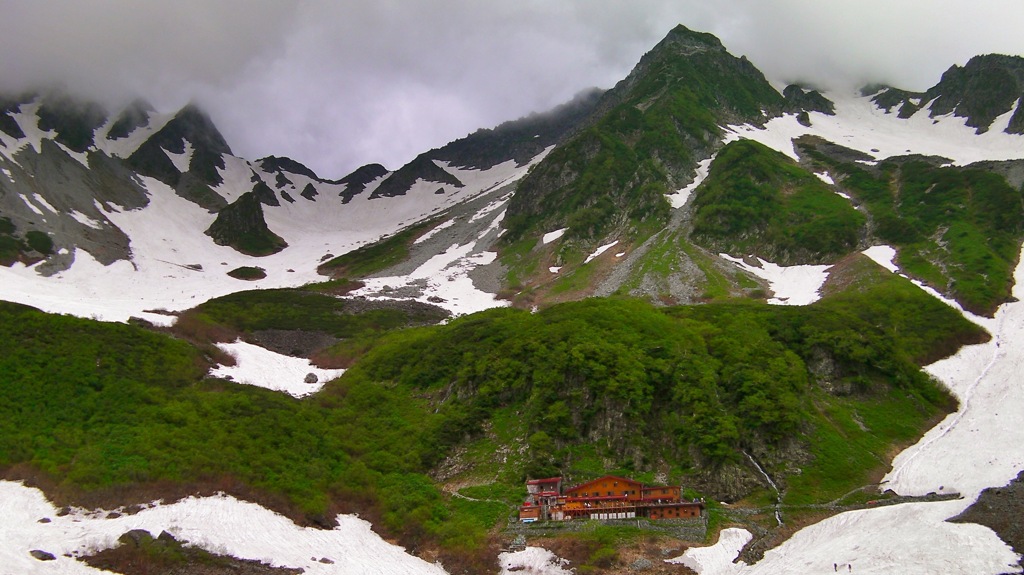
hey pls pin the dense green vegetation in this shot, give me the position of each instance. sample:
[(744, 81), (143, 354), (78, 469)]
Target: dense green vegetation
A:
[(298, 309), (99, 405), (377, 256), (355, 322), (589, 387), (957, 228), (646, 385), (757, 201), (248, 273)]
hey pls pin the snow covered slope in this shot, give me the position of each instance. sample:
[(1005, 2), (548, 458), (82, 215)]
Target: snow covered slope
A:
[(981, 445), (170, 264), (860, 124), (222, 525)]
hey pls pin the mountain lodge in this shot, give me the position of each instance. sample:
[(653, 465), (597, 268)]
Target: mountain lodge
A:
[(608, 497)]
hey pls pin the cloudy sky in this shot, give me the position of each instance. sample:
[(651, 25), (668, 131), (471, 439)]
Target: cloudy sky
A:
[(340, 83)]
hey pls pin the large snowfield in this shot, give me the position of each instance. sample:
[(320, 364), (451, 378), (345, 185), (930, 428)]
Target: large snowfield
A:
[(979, 446)]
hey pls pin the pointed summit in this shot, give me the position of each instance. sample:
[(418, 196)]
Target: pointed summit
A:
[(644, 139), (683, 38), (74, 120), (135, 115), (190, 133)]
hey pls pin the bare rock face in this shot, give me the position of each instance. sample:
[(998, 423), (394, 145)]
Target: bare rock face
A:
[(1002, 510), (42, 555), (242, 226), (311, 378)]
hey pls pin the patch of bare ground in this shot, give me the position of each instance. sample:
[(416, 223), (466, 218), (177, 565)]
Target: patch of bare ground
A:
[(139, 553), (1002, 510), (847, 273), (646, 555)]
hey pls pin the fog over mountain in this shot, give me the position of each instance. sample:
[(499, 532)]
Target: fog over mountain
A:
[(339, 85)]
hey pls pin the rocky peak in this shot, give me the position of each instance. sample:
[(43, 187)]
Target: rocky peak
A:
[(10, 105), (356, 181), (282, 164), (190, 125), (645, 137), (242, 226), (133, 116), (423, 168), (194, 125), (986, 87), (800, 101), (74, 120), (683, 41)]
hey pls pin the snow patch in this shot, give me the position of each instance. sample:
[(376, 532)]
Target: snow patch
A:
[(126, 146), (488, 209), (44, 203), (911, 539), (236, 179), (264, 368), (680, 197), (437, 228), (599, 251), (220, 524), (28, 120), (8, 173), (823, 176), (183, 160), (552, 236), (80, 157), (532, 561), (883, 256), (442, 280), (792, 285), (982, 444), (1002, 122), (859, 124), (32, 206), (555, 269), (86, 220), (718, 558)]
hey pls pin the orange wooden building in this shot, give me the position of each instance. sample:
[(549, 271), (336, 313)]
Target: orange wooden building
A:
[(608, 497)]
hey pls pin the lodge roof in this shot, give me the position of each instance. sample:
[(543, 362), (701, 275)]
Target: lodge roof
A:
[(540, 481), (599, 479)]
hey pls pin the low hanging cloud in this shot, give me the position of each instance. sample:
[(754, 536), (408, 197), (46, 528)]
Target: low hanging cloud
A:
[(340, 84)]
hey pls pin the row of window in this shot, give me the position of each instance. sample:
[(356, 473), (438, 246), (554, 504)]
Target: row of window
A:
[(610, 493)]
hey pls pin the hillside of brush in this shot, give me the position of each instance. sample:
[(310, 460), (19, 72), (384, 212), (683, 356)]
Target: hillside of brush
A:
[(580, 389)]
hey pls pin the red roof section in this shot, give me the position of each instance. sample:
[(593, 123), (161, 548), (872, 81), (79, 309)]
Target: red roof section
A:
[(539, 481), (599, 479)]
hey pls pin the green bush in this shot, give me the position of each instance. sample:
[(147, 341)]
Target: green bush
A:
[(758, 201)]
